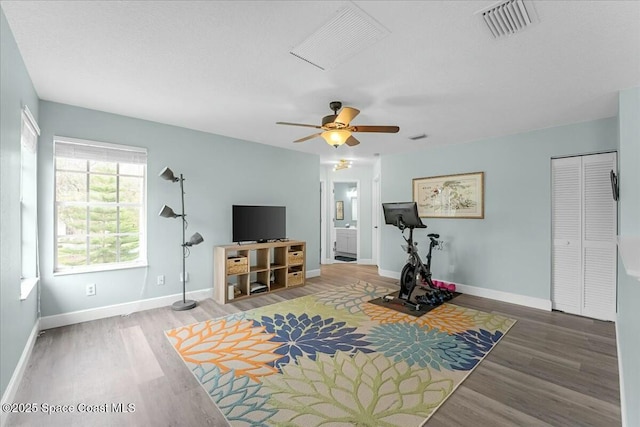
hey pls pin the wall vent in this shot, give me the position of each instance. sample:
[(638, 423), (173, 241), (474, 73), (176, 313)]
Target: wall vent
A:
[(346, 34), (507, 17)]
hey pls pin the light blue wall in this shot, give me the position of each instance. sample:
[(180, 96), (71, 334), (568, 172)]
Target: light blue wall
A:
[(509, 250), (342, 190), (219, 172), (362, 173), (628, 288), (17, 317)]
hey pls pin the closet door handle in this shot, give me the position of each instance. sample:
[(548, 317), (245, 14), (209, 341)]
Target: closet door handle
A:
[(614, 185)]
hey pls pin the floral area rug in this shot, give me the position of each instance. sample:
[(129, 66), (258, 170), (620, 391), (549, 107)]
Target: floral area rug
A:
[(333, 359)]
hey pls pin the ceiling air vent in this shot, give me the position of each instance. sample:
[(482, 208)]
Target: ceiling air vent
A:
[(507, 17), (345, 35)]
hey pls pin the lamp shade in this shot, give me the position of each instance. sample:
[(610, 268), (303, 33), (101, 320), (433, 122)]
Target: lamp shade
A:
[(336, 137), (167, 212), (196, 239), (167, 174)]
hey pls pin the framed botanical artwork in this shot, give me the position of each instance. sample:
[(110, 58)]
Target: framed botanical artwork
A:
[(339, 210), (450, 196)]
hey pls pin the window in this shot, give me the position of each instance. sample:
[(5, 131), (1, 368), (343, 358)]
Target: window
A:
[(354, 209), (28, 203), (100, 205)]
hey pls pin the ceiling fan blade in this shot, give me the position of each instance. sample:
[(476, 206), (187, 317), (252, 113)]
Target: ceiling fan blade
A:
[(346, 115), (383, 129), (299, 124), (351, 141), (308, 137)]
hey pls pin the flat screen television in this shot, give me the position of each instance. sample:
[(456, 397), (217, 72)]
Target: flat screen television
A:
[(259, 223)]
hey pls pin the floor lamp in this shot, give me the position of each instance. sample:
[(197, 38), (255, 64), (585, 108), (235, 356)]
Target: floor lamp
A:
[(167, 212)]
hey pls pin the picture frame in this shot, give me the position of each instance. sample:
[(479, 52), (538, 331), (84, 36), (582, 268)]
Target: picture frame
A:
[(339, 210), (450, 196)]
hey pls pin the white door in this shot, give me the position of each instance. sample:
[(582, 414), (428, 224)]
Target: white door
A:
[(566, 271), (599, 237), (323, 227), (584, 226)]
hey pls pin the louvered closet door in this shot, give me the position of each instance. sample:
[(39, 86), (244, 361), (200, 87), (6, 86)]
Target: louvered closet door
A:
[(567, 234), (584, 225), (599, 237)]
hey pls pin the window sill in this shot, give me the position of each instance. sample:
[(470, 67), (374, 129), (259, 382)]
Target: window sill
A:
[(99, 269), (26, 286)]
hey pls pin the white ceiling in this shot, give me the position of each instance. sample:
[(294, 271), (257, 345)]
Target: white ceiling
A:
[(224, 67)]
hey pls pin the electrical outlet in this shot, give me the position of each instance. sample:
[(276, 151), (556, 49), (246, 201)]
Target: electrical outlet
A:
[(452, 268), (187, 274), (160, 280), (91, 289)]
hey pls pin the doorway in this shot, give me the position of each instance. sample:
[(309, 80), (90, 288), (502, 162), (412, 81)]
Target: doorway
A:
[(345, 233), (584, 228)]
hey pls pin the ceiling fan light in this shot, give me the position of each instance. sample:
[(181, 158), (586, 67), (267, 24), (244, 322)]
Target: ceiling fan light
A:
[(342, 164), (336, 137)]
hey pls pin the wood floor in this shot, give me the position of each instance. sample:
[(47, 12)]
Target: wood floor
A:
[(551, 369)]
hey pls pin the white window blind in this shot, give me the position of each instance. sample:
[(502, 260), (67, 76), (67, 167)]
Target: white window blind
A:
[(29, 133), (99, 151)]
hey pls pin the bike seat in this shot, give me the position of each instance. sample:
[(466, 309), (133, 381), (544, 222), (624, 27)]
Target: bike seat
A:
[(433, 235)]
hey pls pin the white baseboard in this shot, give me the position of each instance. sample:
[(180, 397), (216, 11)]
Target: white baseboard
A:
[(64, 319), (313, 273), (362, 261), (12, 388), (388, 273), (533, 302), (623, 400), (527, 301)]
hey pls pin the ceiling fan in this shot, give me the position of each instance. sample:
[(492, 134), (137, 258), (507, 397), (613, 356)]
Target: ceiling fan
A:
[(337, 128)]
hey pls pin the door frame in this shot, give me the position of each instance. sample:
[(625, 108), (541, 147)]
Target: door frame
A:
[(331, 224), (375, 220)]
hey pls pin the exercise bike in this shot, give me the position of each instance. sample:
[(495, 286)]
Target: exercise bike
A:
[(415, 272)]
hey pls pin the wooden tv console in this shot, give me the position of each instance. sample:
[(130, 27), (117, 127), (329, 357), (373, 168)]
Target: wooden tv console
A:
[(243, 271)]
